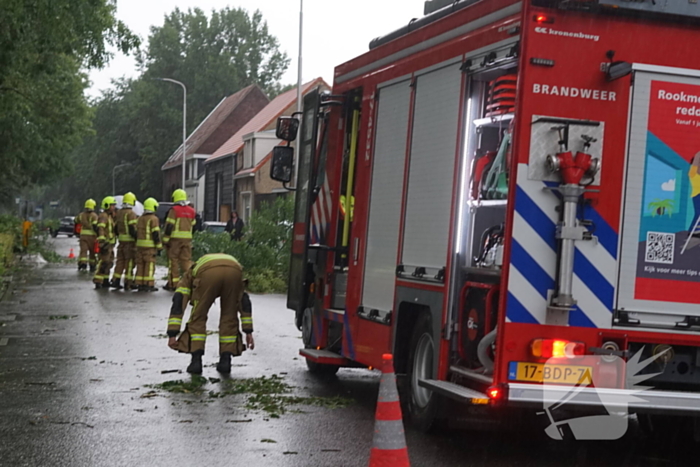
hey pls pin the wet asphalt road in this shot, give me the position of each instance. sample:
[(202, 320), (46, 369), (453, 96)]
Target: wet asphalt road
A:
[(71, 394)]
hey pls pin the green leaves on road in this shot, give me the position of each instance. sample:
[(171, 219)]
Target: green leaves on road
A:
[(271, 395)]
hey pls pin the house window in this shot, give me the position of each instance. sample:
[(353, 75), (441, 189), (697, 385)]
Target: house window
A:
[(245, 198), (191, 172), (248, 155)]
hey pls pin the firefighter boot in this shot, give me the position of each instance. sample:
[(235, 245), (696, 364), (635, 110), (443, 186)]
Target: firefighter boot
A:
[(195, 366), (92, 268), (115, 284), (105, 283), (224, 365)]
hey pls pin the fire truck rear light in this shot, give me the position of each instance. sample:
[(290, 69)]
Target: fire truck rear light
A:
[(556, 348), (497, 394), (544, 19)]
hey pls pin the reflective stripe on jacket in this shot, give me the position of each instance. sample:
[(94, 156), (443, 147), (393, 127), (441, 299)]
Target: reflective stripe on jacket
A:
[(105, 228), (146, 226), (125, 218), (87, 220), (180, 222)]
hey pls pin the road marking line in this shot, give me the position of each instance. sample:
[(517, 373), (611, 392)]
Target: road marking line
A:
[(4, 341)]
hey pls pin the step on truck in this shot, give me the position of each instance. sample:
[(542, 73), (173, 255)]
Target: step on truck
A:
[(506, 196)]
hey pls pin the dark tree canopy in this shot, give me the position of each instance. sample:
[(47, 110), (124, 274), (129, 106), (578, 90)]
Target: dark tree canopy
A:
[(140, 120), (45, 48)]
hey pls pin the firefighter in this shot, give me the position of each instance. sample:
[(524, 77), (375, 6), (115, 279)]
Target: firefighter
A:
[(125, 230), (179, 225), (87, 220), (148, 246), (213, 276), (106, 241)]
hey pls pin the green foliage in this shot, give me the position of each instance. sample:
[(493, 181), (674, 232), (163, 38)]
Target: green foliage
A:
[(264, 250), (45, 48), (266, 394), (661, 206), (139, 121), (12, 225), (179, 386), (11, 231)]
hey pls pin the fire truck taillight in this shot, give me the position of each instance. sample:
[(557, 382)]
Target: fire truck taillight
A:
[(497, 394), (543, 19), (557, 348)]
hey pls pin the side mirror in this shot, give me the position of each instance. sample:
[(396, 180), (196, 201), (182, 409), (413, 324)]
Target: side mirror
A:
[(618, 70), (282, 163), (287, 128)]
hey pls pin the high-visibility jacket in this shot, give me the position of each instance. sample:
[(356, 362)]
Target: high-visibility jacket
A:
[(126, 225), (105, 229), (148, 232), (87, 220), (186, 287), (179, 223)]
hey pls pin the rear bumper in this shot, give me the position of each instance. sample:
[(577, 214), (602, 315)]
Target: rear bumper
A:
[(651, 401)]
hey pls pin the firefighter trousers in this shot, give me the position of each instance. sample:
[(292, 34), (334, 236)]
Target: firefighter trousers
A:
[(87, 249), (104, 265), (146, 266), (126, 262), (210, 284), (179, 259)]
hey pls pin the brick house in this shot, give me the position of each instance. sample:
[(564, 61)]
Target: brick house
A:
[(226, 119), (237, 174)]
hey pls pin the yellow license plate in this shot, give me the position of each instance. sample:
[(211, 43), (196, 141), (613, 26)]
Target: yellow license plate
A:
[(556, 374)]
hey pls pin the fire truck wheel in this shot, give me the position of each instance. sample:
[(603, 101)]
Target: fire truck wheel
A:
[(423, 405)]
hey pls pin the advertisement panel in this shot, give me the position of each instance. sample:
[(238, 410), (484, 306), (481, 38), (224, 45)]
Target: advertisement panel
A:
[(662, 214)]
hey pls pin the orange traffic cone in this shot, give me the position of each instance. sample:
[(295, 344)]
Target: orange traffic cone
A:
[(71, 255), (389, 443)]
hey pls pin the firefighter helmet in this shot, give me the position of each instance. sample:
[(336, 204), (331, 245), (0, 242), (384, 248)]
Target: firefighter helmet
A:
[(179, 195), (129, 199), (108, 201), (90, 204), (150, 205)]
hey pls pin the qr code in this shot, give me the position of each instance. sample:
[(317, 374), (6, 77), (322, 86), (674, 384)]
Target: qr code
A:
[(660, 247)]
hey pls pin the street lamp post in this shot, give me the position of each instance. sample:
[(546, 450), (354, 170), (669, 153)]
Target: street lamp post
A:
[(301, 44), (184, 125), (114, 171)]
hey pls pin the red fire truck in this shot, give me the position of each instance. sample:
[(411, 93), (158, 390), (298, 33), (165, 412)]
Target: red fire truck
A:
[(500, 183)]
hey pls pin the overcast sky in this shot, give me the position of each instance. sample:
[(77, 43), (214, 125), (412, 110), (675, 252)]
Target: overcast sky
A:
[(334, 30)]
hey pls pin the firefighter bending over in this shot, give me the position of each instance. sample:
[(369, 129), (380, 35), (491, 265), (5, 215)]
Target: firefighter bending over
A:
[(125, 230), (213, 276), (148, 245), (179, 225), (87, 220), (106, 241)]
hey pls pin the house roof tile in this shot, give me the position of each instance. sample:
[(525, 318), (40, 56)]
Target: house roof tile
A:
[(264, 119), (210, 124)]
